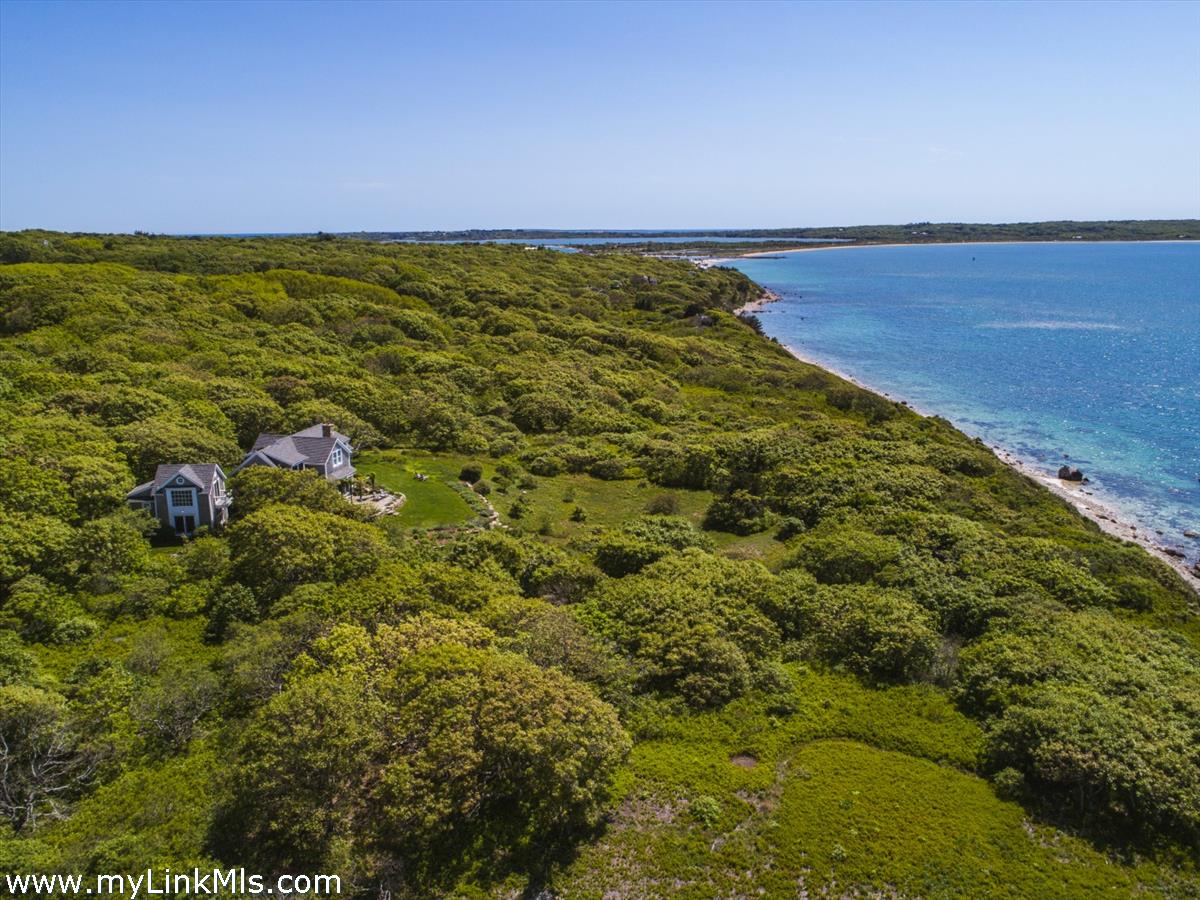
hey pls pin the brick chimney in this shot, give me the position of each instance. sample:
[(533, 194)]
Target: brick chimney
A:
[(326, 430)]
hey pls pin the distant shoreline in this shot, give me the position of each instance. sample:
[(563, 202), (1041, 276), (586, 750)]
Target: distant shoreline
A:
[(954, 244), (1110, 520), (714, 261)]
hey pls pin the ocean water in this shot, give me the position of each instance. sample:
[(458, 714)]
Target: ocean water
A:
[(1084, 350), (649, 238)]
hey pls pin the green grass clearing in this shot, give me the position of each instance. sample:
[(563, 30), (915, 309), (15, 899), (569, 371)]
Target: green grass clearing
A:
[(606, 503), (551, 503), (854, 792), (431, 503)]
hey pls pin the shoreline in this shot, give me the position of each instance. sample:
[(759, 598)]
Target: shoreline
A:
[(853, 246), (1110, 520), (707, 262), (767, 296)]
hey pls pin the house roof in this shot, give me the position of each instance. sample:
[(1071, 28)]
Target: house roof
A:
[(198, 473), (201, 474), (141, 492), (265, 439), (316, 431), (309, 446)]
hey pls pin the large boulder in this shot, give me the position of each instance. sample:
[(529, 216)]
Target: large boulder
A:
[(1070, 473)]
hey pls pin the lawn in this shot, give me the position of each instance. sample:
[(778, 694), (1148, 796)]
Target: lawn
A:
[(605, 503), (611, 503), (432, 503), (552, 500)]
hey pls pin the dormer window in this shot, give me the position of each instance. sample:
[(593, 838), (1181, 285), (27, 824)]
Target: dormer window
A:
[(338, 456)]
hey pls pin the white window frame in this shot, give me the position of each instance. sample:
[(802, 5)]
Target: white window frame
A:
[(338, 457), (176, 503)]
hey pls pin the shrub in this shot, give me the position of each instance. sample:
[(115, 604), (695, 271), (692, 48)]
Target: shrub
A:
[(37, 608), (280, 547), (881, 634), (256, 487), (44, 763), (692, 623), (1088, 708), (608, 469), (111, 547), (230, 604), (619, 554), (692, 466), (663, 505), (643, 541), (554, 638), (1103, 758), (790, 527), (845, 555), (652, 409), (1009, 784), (739, 512), (565, 579), (706, 810), (17, 664), (540, 412), (547, 466), (531, 757)]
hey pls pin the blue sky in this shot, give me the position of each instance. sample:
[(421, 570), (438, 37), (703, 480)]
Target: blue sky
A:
[(211, 117)]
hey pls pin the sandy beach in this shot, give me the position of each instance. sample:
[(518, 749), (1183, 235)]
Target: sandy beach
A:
[(755, 305), (1109, 520)]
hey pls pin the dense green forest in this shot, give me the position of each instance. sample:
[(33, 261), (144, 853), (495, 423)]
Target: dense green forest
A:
[(745, 627)]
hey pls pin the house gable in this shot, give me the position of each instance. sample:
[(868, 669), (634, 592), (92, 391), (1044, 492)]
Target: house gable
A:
[(180, 481), (258, 458), (346, 450), (196, 475)]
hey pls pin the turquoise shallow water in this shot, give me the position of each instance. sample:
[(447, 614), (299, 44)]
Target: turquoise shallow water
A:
[(1088, 350)]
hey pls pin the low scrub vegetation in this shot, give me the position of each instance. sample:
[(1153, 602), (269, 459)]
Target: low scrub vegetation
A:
[(738, 625)]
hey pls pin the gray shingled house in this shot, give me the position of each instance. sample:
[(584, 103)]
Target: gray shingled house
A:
[(184, 497), (319, 447)]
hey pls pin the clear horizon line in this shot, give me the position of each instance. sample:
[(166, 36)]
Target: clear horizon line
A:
[(590, 230)]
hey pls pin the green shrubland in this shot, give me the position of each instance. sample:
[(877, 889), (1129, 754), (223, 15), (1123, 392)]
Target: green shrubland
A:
[(742, 626)]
